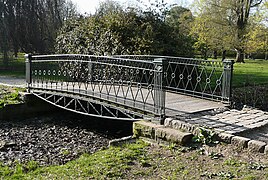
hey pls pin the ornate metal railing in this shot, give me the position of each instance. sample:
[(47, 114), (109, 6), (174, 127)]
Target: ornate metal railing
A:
[(208, 79), (134, 85)]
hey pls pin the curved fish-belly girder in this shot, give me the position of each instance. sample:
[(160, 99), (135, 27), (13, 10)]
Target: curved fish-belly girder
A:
[(88, 106)]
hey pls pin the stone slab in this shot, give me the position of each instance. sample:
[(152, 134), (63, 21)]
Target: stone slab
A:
[(144, 129), (224, 137), (173, 136), (256, 146), (240, 141), (159, 133)]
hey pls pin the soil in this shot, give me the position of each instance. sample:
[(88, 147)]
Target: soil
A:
[(222, 161), (52, 139)]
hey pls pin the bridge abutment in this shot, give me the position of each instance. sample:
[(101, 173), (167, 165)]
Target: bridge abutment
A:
[(32, 106), (160, 134)]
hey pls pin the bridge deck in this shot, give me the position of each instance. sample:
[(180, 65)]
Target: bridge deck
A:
[(188, 104), (175, 104)]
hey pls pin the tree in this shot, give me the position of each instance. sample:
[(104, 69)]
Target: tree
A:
[(4, 31), (32, 25), (257, 40), (180, 19), (232, 16), (115, 30), (257, 37), (210, 36), (105, 34)]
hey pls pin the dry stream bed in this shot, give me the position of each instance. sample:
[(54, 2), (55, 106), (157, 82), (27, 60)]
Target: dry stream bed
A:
[(52, 138)]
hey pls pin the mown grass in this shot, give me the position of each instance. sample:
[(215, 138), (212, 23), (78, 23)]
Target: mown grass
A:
[(253, 72), (15, 67), (143, 161)]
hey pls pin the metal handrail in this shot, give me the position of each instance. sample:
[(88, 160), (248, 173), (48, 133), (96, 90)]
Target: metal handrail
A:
[(132, 83), (139, 82)]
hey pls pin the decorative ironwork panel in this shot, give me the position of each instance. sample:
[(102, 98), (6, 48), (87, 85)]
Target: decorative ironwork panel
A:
[(195, 77), (129, 83), (208, 79)]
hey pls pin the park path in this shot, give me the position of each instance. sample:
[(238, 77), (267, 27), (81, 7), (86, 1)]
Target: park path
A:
[(248, 122), (12, 81)]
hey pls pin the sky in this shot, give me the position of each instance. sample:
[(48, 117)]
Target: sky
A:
[(89, 6)]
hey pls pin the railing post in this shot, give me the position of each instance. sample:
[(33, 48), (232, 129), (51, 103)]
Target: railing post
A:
[(90, 70), (159, 90), (227, 79), (28, 61)]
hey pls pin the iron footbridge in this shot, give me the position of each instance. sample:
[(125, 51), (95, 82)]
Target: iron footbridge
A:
[(129, 87)]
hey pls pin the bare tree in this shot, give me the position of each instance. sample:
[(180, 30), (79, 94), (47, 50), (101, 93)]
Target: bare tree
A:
[(32, 25)]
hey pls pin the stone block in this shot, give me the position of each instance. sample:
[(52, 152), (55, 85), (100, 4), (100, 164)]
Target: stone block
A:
[(240, 141), (176, 124), (240, 129), (172, 136), (261, 124), (144, 129), (225, 137), (187, 127), (233, 110), (256, 146), (168, 122), (266, 149), (218, 130), (230, 132)]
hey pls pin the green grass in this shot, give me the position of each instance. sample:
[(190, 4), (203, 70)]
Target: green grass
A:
[(15, 68), (10, 95), (253, 72), (18, 74)]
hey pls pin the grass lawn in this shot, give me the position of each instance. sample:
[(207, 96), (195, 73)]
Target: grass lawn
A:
[(253, 72), (143, 161), (15, 68)]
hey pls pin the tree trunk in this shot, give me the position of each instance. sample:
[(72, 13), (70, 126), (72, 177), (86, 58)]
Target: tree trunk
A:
[(204, 53), (215, 54), (223, 55), (266, 56), (16, 53), (240, 55), (5, 58), (5, 50), (16, 50)]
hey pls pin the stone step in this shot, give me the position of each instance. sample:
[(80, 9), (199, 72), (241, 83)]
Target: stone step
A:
[(160, 134)]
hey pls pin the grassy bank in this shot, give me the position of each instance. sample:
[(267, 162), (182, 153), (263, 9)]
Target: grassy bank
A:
[(9, 95), (143, 161)]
